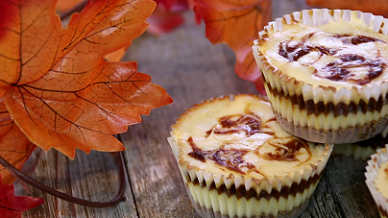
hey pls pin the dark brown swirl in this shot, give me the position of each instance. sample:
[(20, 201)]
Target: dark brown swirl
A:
[(249, 123), (294, 52), (197, 152), (231, 159), (342, 68), (356, 40), (289, 152)]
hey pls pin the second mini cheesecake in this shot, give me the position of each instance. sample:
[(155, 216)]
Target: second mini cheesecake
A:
[(236, 161), (326, 73)]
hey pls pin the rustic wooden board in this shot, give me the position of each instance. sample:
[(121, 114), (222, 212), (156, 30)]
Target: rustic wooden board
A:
[(92, 177), (192, 70)]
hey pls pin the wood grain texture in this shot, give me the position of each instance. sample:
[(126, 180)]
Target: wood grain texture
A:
[(92, 177), (191, 69)]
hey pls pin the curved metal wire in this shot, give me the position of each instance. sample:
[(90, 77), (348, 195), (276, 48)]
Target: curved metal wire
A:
[(118, 198)]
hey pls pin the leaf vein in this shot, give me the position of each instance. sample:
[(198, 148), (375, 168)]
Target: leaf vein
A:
[(33, 56)]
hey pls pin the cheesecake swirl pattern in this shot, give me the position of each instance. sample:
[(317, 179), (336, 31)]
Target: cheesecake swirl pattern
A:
[(247, 123), (287, 152), (232, 157), (347, 65), (293, 52)]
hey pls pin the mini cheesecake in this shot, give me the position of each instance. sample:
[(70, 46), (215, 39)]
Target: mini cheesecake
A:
[(236, 160), (326, 73), (377, 180)]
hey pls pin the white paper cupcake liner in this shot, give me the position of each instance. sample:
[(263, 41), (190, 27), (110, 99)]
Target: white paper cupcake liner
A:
[(371, 175), (204, 191)]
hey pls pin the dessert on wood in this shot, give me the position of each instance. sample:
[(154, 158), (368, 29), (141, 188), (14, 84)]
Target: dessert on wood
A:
[(236, 160), (326, 73)]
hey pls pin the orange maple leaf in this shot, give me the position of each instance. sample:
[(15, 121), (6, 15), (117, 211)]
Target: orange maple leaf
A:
[(116, 55), (166, 17), (71, 6), (56, 85), (237, 24), (14, 145)]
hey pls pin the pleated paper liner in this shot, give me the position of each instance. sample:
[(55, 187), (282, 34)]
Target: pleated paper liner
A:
[(217, 195), (377, 160), (324, 114)]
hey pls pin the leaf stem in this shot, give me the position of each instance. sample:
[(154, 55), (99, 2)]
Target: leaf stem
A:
[(118, 198)]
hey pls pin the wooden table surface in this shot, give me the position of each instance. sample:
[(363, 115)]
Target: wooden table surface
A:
[(191, 69)]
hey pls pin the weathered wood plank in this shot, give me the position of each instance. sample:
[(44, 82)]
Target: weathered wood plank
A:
[(92, 177), (342, 191)]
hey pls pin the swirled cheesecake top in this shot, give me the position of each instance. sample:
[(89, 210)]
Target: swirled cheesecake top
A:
[(341, 54), (240, 135)]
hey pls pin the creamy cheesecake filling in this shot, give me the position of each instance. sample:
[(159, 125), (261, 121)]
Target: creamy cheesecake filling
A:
[(382, 180), (340, 54), (241, 136)]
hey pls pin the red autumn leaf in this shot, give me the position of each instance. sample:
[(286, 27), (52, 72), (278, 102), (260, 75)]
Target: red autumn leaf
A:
[(14, 145), (58, 88), (197, 18), (167, 4), (12, 206), (167, 16), (377, 7), (237, 24)]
